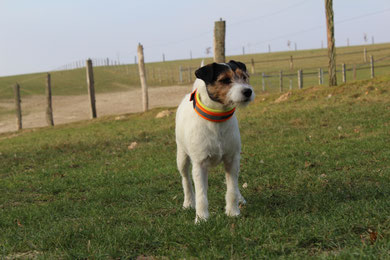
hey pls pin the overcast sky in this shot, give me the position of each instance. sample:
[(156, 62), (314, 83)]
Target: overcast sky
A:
[(42, 35)]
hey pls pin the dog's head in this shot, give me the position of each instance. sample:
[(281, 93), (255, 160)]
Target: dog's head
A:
[(227, 83)]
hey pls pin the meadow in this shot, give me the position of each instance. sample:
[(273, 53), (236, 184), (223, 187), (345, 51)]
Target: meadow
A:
[(126, 77), (315, 167)]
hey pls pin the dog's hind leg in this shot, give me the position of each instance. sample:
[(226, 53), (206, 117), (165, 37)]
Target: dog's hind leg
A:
[(183, 164), (233, 195)]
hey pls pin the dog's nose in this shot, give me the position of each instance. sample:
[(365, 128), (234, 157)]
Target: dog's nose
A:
[(247, 92)]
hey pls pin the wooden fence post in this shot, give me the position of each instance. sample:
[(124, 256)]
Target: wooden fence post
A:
[(320, 78), (180, 74), (253, 66), (49, 107), (263, 80), (331, 43), (354, 72), (291, 63), (281, 81), (365, 55), (142, 75), (372, 66), (300, 79), (291, 84), (91, 87), (18, 107), (219, 41), (344, 72)]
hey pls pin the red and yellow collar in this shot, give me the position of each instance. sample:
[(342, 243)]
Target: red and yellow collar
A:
[(210, 114)]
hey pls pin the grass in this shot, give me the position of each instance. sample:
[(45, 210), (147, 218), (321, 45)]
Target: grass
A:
[(125, 77), (316, 167)]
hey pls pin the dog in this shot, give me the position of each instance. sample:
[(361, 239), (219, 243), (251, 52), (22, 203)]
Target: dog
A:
[(207, 133)]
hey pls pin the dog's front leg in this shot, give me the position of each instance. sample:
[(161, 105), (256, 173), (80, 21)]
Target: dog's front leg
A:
[(233, 195), (199, 174)]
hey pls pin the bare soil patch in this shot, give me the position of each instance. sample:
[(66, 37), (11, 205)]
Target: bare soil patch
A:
[(68, 109)]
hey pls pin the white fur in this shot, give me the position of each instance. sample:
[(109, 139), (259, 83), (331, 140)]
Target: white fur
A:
[(206, 144)]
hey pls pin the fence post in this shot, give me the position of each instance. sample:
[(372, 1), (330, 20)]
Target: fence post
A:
[(281, 81), (365, 55), (189, 75), (253, 66), (300, 79), (354, 72), (290, 84), (49, 107), (331, 43), (344, 72), (320, 79), (91, 87), (263, 80), (180, 75), (291, 63), (372, 66), (219, 41), (142, 76), (18, 106)]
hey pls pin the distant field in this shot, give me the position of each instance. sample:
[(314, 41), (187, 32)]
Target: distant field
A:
[(124, 77), (317, 169)]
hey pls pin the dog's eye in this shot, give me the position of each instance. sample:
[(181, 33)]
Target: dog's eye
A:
[(225, 80)]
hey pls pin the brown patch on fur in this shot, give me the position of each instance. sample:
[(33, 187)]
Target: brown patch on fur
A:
[(242, 75), (219, 89)]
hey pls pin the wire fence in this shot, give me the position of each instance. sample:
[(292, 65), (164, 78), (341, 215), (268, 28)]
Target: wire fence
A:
[(275, 72)]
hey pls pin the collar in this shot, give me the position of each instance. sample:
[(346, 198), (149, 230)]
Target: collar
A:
[(210, 114)]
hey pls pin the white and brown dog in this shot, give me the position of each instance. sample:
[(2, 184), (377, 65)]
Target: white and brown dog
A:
[(207, 133)]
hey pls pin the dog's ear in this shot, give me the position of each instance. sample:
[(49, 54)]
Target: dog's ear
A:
[(236, 64), (210, 72)]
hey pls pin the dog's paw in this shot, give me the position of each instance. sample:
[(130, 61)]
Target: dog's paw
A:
[(201, 218), (188, 204), (241, 200), (232, 212)]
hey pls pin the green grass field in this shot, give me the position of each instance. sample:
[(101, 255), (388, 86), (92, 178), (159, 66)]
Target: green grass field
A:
[(125, 77), (317, 168)]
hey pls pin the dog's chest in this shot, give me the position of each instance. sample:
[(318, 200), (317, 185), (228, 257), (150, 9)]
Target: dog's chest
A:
[(216, 142)]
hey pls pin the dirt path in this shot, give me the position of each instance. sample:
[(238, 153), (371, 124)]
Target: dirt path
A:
[(75, 108)]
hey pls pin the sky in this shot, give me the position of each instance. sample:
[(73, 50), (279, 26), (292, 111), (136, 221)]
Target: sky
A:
[(43, 35)]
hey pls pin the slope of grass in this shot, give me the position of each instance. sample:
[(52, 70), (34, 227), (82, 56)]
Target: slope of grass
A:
[(125, 77), (316, 167)]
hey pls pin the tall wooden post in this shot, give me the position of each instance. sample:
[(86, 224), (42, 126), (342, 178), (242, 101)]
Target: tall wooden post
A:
[(320, 79), (365, 55), (49, 107), (300, 79), (18, 107), (219, 41), (263, 80), (372, 66), (142, 76), (354, 72), (291, 63), (331, 42), (180, 74), (91, 87), (252, 66), (344, 72), (281, 81)]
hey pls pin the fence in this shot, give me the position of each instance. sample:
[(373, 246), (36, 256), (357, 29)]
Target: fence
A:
[(280, 80), (275, 72), (182, 72)]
